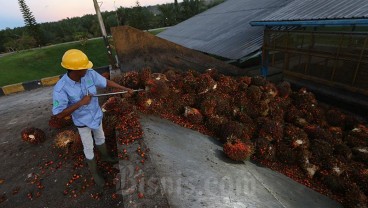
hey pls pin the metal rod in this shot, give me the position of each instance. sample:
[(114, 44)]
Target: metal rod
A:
[(115, 93), (104, 36)]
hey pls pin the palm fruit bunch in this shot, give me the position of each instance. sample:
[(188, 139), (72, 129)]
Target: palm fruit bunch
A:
[(68, 141), (58, 123), (193, 115), (144, 76), (116, 105), (264, 149), (231, 129), (226, 84), (284, 89), (237, 150), (189, 82), (130, 79), (33, 135), (244, 82), (205, 84), (157, 88), (270, 129), (215, 122)]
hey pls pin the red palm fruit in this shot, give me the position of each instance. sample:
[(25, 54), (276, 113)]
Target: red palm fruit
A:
[(254, 94), (316, 132), (246, 80), (131, 80), (205, 84), (285, 154), (33, 135), (360, 154), (65, 140), (343, 151), (109, 124), (187, 99), (357, 137), (264, 149), (335, 166), (172, 75), (193, 115), (296, 137), (223, 106), (159, 76), (284, 89), (249, 126), (226, 84), (241, 100), (303, 98), (213, 73), (59, 123), (270, 129), (157, 88), (276, 112), (214, 123), (231, 128), (321, 150), (208, 106), (144, 76), (335, 117), (360, 175), (238, 150), (354, 197), (269, 91), (189, 83), (259, 81), (335, 183)]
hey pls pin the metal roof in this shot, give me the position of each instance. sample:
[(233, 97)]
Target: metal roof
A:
[(224, 30), (320, 10)]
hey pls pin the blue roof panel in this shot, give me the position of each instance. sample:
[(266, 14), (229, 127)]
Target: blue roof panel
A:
[(224, 30), (320, 10)]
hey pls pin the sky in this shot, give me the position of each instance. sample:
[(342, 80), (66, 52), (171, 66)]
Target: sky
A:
[(54, 10)]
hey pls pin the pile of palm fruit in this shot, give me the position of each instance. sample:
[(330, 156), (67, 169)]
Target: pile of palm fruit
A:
[(288, 131)]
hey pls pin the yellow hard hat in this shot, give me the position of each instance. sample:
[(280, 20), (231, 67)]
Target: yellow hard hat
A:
[(75, 59)]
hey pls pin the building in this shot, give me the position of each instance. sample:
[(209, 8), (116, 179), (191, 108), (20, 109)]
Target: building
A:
[(321, 41)]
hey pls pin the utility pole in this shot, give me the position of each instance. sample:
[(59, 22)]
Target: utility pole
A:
[(113, 63)]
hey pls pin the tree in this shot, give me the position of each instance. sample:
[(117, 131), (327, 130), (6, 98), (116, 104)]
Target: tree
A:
[(191, 8), (30, 22), (168, 16), (139, 17)]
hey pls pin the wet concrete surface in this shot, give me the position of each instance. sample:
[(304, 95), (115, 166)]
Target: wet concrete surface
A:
[(195, 173)]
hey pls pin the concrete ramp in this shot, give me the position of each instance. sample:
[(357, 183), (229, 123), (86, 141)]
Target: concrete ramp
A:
[(194, 172)]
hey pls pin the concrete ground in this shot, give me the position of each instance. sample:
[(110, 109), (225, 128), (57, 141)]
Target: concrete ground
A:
[(21, 161), (195, 173), (188, 168)]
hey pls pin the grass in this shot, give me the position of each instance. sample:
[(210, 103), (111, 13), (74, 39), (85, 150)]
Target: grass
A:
[(44, 62), (38, 63)]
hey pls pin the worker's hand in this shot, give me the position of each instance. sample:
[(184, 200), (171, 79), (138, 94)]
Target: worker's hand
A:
[(86, 100)]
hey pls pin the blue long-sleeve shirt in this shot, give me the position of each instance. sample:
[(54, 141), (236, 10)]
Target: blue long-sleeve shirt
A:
[(68, 92)]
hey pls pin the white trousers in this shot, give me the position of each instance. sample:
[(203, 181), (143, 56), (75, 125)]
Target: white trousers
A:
[(87, 139)]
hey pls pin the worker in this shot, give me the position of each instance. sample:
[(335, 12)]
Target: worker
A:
[(73, 95)]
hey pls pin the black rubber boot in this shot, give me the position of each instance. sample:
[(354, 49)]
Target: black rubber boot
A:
[(100, 182), (105, 155)]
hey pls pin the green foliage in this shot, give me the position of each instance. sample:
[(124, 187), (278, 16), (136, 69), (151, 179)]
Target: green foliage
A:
[(23, 42), (77, 28), (30, 22)]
